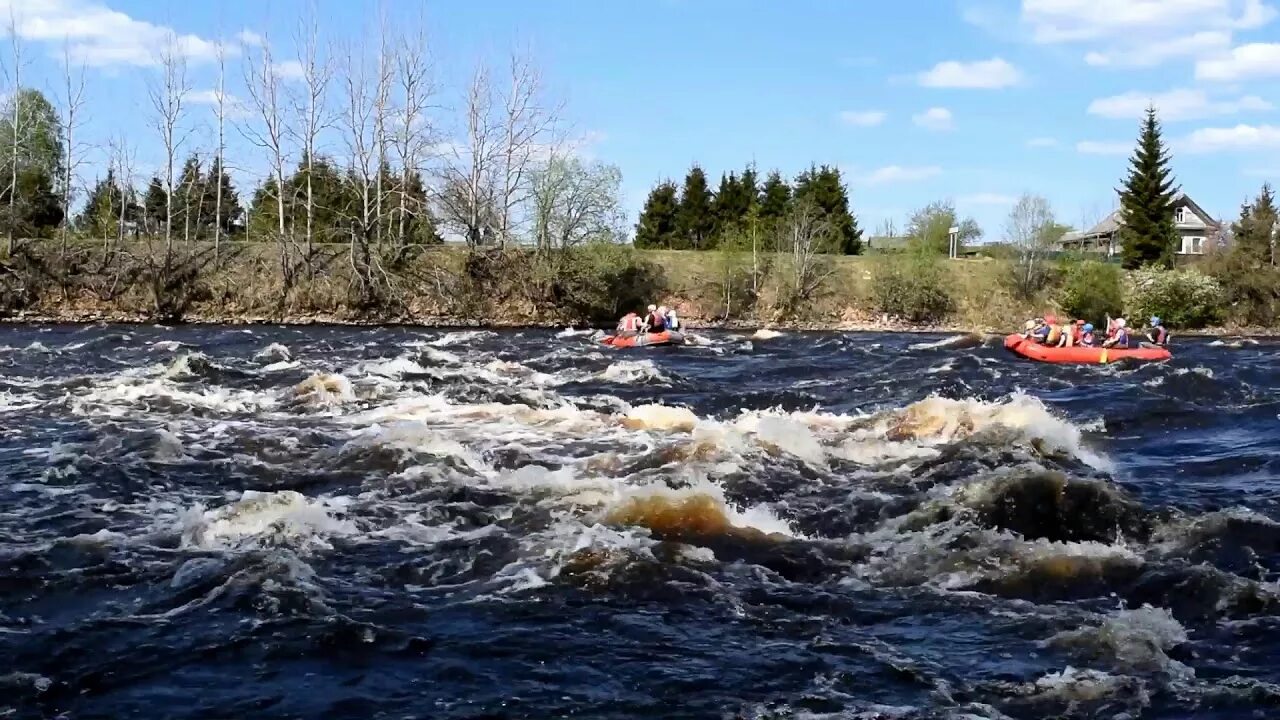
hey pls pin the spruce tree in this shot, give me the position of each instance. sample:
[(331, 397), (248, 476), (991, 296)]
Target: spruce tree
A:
[(823, 187), (657, 226), (696, 218), (1254, 233), (732, 202), (775, 199), (750, 187), (153, 207), (232, 216), (1148, 234)]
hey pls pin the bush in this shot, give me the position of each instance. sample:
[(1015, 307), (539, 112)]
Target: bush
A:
[(601, 280), (1091, 291), (1183, 298), (912, 287), (1251, 292)]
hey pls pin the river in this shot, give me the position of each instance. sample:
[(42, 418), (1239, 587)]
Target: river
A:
[(319, 522)]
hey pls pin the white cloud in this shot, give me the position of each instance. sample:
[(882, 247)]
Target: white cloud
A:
[(984, 74), (986, 199), (1061, 21), (1240, 137), (863, 118), (935, 118), (1174, 105), (1157, 52), (1042, 142), (249, 37), (1143, 33), (1247, 61), (290, 70), (899, 174), (99, 36), (1095, 147)]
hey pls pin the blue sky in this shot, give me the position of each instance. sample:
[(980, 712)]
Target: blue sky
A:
[(916, 100)]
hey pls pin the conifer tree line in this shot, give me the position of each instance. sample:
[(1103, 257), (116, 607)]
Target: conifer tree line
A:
[(693, 217), (354, 142)]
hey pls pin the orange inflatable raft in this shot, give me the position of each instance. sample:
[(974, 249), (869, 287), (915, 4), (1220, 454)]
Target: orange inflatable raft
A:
[(1081, 355), (666, 337)]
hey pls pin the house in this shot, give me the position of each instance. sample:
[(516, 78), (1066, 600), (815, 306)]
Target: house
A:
[(1198, 232)]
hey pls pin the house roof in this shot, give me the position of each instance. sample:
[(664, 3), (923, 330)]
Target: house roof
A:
[(1111, 223)]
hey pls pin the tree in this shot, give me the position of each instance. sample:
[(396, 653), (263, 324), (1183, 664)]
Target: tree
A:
[(69, 124), (32, 156), (227, 213), (732, 201), (100, 216), (168, 102), (1148, 234), (413, 133), (775, 203), (823, 188), (928, 229), (313, 114), (1255, 232), (191, 200), (470, 166), (154, 206), (802, 241), (658, 225), (1032, 230), (527, 122), (695, 218), (574, 203)]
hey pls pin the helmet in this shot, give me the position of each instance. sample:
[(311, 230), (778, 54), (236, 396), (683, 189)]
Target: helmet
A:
[(1088, 327), (1119, 322), (662, 309), (1154, 321), (1030, 325), (652, 308)]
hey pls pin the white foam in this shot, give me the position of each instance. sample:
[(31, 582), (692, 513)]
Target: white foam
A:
[(256, 516)]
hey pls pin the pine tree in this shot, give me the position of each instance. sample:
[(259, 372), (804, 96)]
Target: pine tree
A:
[(1255, 232), (101, 212), (232, 215), (153, 207), (750, 187), (696, 218), (823, 187), (732, 202), (657, 226), (1148, 235), (775, 199)]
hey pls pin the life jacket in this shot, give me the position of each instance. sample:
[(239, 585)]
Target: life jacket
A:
[(1162, 335), (657, 323), (1121, 337), (673, 322), (1055, 332), (631, 323), (1086, 339)]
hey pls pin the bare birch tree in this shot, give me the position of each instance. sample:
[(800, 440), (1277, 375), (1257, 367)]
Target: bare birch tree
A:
[(1028, 228), (312, 110), (802, 240), (413, 131), (526, 126), (381, 118), (168, 101), (220, 112), (470, 165), (70, 121), (359, 137), (267, 129), (14, 77)]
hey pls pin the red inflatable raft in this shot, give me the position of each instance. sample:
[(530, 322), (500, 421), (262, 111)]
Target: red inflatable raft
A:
[(1080, 355), (666, 337)]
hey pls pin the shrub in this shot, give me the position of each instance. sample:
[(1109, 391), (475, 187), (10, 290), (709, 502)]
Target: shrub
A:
[(1183, 298), (1251, 292), (600, 280), (912, 287), (1091, 291)]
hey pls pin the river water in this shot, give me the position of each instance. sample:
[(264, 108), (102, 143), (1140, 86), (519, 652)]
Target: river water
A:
[(388, 523)]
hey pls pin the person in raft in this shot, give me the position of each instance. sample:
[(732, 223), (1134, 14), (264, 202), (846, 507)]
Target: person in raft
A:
[(1119, 335), (669, 315), (1086, 335), (655, 322), (630, 325), (1066, 334), (1157, 336)]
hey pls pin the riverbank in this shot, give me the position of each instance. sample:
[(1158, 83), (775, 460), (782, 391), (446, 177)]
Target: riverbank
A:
[(446, 287)]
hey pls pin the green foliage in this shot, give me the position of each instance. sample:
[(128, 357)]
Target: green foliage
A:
[(929, 227), (775, 204), (37, 208), (1091, 291), (823, 187), (695, 218), (1148, 235), (1254, 233), (732, 202), (912, 287), (39, 138), (601, 280), (1251, 290), (153, 207), (100, 217), (658, 225), (1183, 298)]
